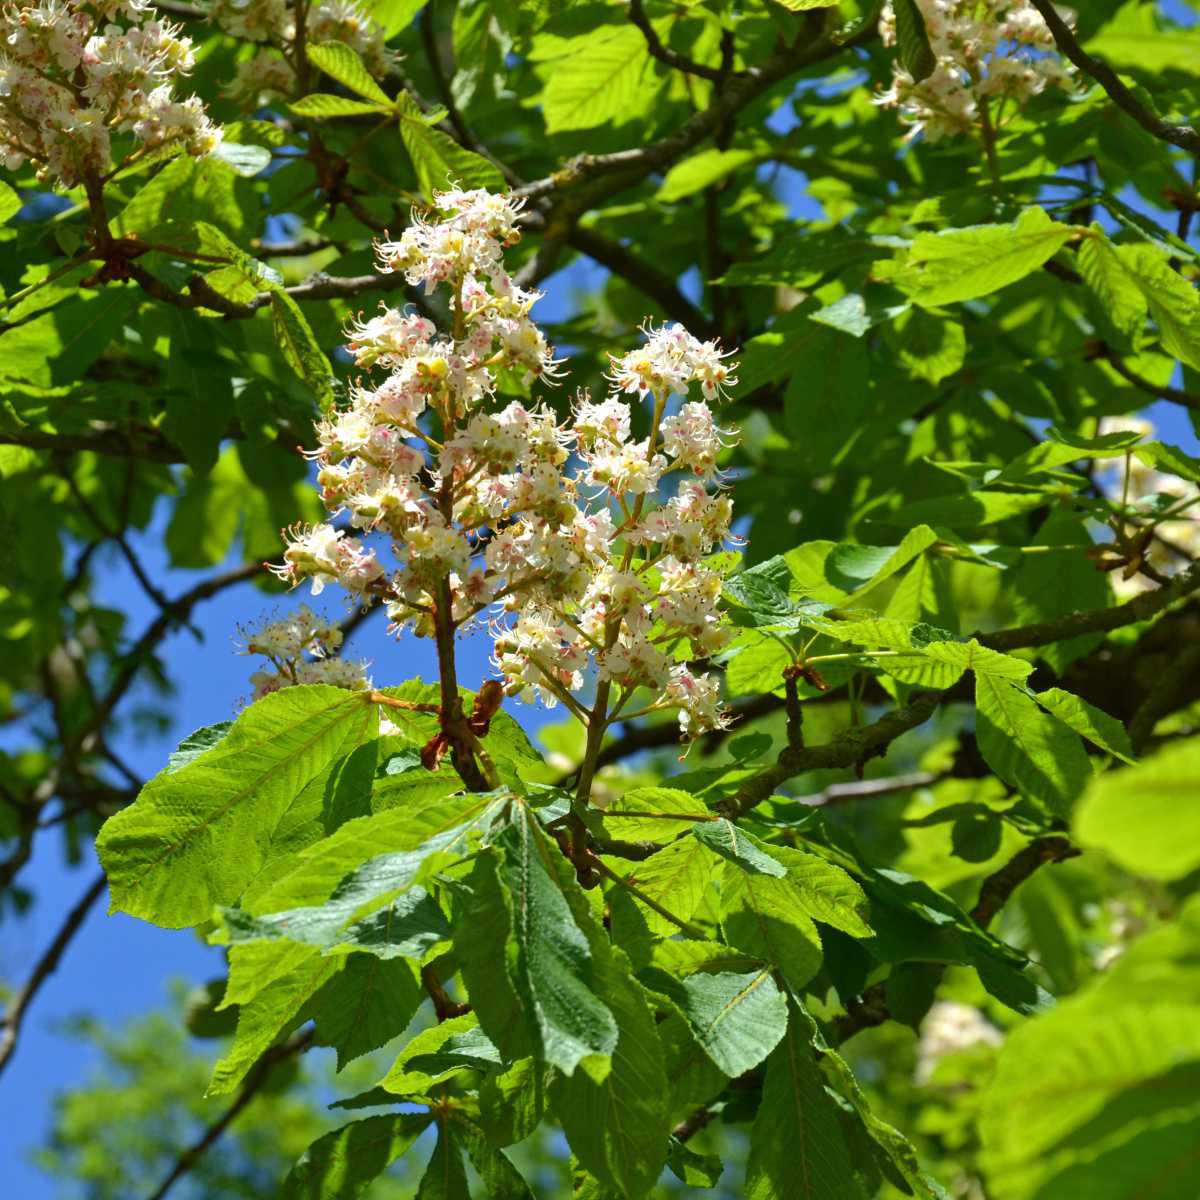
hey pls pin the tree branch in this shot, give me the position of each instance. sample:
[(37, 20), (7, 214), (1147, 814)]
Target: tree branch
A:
[(14, 1014), (1183, 136), (871, 1008), (1175, 395), (664, 54), (259, 1073)]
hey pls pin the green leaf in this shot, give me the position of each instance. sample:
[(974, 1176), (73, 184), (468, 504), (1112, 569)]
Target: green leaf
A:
[(320, 106), (737, 1019), (438, 160), (1105, 273), (1031, 751), (739, 847), (550, 960), (912, 40), (195, 837), (10, 202), (340, 62), (696, 1170), (1146, 817), (445, 1177), (797, 1148), (605, 77), (962, 264), (1172, 301), (195, 744), (1088, 721), (929, 346), (766, 918), (651, 810), (822, 889), (694, 174), (1087, 1077), (500, 1178), (966, 511), (343, 1164), (296, 341), (618, 1127), (437, 1053), (366, 1004), (676, 877), (276, 1007)]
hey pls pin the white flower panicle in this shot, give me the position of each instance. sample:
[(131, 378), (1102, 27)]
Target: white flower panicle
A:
[(1171, 504), (995, 51), (273, 22), (301, 648), (74, 73), (555, 530), (949, 1028)]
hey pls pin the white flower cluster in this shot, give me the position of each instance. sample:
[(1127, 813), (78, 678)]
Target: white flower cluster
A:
[(1130, 482), (949, 1028), (73, 73), (555, 527), (301, 648), (1001, 50), (274, 22)]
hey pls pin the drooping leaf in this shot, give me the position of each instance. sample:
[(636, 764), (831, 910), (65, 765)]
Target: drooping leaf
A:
[(343, 1164)]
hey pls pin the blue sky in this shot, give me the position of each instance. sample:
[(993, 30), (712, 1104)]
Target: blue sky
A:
[(119, 967)]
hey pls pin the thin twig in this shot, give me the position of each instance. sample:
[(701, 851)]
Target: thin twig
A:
[(18, 1006), (664, 54), (1183, 136), (259, 1073)]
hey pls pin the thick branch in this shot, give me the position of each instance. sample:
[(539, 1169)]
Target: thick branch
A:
[(14, 1014), (1183, 136)]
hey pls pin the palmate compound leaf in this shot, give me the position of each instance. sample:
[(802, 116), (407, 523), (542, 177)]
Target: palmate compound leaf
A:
[(273, 980), (195, 837), (797, 1148)]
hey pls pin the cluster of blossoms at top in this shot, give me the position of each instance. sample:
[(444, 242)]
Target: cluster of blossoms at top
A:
[(301, 648), (73, 73), (556, 529), (987, 50), (1170, 503), (274, 22)]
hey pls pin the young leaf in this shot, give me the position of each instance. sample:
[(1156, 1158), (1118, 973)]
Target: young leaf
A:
[(295, 338), (962, 264), (438, 160), (319, 106), (342, 63)]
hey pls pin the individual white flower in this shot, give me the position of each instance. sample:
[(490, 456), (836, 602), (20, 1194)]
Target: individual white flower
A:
[(301, 648)]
